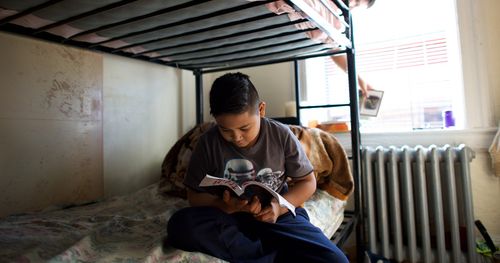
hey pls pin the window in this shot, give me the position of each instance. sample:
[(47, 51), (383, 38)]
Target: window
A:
[(408, 50)]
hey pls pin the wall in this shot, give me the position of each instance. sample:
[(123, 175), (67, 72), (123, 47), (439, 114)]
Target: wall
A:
[(479, 42), (140, 121), (273, 82), (50, 125), (491, 42), (188, 106), (77, 126)]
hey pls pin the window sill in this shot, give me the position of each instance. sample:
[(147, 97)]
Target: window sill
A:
[(477, 139)]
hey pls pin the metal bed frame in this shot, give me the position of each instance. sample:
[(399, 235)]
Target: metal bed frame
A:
[(353, 219)]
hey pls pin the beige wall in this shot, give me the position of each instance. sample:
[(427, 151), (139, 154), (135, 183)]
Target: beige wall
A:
[(77, 126), (50, 125), (489, 12), (273, 82), (140, 118), (188, 106)]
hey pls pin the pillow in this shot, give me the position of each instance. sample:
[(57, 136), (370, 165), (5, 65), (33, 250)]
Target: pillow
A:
[(176, 161)]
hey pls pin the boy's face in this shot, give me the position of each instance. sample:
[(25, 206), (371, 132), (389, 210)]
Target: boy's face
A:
[(241, 129)]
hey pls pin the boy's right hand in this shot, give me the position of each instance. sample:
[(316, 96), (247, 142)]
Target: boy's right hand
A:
[(235, 204)]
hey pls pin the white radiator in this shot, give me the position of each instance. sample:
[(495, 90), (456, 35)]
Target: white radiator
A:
[(418, 203)]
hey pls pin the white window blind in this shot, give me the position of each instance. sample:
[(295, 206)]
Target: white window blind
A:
[(415, 65)]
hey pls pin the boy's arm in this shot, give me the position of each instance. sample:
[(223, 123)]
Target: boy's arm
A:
[(227, 203), (301, 190)]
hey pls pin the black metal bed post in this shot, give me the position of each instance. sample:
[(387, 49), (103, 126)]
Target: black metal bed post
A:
[(355, 142), (297, 90), (199, 95)]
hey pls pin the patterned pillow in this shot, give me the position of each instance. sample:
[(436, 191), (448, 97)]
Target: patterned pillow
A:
[(176, 162)]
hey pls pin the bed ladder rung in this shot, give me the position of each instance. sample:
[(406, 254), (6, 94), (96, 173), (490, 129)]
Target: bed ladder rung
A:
[(345, 229)]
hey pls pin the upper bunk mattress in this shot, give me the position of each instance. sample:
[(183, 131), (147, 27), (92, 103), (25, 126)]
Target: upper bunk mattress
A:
[(189, 34)]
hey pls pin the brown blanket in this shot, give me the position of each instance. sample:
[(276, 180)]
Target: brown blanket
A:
[(327, 156), (329, 159)]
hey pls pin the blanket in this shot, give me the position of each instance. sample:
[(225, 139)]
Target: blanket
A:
[(125, 228), (128, 228), (329, 160)]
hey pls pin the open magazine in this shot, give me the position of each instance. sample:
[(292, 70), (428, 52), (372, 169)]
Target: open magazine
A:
[(247, 190)]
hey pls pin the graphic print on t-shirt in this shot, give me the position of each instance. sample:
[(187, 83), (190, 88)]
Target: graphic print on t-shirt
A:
[(242, 170)]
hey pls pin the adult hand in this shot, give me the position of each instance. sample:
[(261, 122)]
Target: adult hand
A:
[(364, 87)]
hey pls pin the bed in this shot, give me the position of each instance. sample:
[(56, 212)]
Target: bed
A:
[(131, 228), (116, 230), (204, 37)]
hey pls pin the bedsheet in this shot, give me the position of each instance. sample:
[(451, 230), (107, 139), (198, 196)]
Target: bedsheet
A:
[(127, 228)]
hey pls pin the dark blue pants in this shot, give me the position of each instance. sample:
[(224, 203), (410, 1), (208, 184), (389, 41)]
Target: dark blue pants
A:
[(239, 237)]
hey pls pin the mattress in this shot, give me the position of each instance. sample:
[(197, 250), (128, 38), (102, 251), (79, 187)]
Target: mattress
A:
[(196, 34), (127, 228)]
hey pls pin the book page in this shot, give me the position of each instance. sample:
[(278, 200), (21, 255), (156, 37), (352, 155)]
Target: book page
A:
[(209, 180)]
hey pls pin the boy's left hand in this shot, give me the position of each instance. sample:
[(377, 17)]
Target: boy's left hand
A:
[(269, 213)]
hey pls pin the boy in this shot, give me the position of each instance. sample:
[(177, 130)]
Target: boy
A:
[(245, 144)]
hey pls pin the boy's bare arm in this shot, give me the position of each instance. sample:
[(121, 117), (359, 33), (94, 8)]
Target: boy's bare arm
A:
[(297, 194), (301, 190)]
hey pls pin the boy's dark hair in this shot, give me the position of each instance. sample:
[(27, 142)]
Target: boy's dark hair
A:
[(233, 93)]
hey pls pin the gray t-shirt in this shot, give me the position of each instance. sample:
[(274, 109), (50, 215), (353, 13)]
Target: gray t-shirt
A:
[(277, 154)]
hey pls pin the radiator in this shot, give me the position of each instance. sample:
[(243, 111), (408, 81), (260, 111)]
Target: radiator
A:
[(418, 203)]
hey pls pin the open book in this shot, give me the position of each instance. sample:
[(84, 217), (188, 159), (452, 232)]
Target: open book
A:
[(247, 190)]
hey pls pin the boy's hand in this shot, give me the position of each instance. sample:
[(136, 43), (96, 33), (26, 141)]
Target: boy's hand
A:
[(234, 204), (270, 213)]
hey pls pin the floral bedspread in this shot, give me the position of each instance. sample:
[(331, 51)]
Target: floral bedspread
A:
[(127, 228)]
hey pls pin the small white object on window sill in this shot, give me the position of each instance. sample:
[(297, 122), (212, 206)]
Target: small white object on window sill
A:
[(290, 109)]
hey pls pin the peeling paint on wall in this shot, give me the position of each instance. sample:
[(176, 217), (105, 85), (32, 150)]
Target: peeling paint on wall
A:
[(69, 99)]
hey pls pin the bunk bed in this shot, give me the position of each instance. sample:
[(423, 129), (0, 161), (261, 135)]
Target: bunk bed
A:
[(197, 35)]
